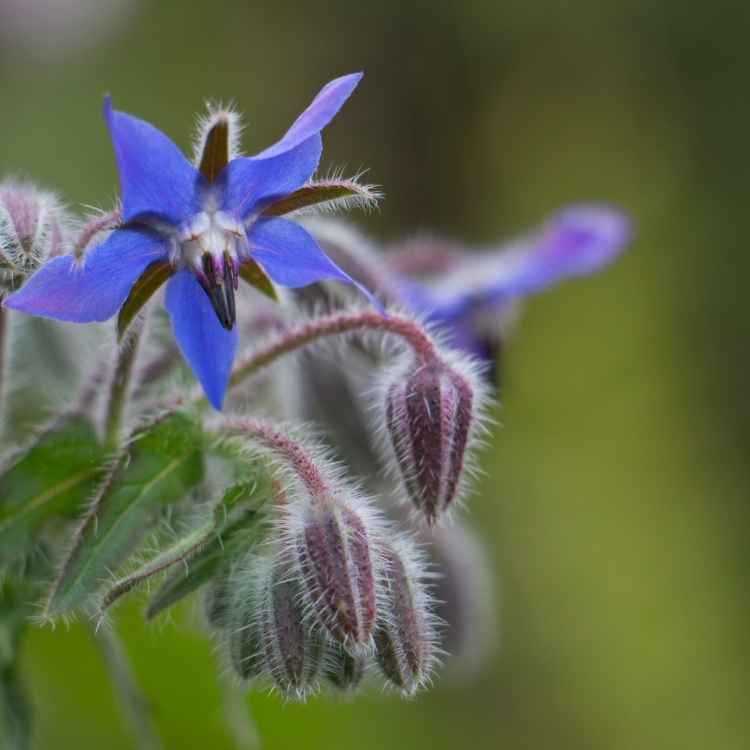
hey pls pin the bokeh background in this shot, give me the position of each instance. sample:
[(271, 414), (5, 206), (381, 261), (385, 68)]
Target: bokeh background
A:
[(615, 505)]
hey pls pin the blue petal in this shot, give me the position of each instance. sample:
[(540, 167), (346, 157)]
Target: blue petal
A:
[(292, 258), (208, 348), (250, 182), (155, 177), (321, 111), (579, 240), (95, 291)]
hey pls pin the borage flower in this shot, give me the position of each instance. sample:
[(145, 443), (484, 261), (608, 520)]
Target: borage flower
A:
[(471, 300), (202, 228)]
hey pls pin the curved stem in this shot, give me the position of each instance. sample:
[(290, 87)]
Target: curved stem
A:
[(119, 388), (292, 451), (186, 548), (332, 325)]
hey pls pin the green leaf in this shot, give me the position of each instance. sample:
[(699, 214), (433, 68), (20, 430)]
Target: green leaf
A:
[(53, 478), (158, 468), (237, 524)]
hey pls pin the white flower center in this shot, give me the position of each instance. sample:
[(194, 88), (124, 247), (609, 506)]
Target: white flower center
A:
[(210, 245)]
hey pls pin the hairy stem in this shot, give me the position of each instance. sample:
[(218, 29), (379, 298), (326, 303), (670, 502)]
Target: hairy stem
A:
[(333, 325), (179, 554), (134, 703), (119, 388), (289, 449)]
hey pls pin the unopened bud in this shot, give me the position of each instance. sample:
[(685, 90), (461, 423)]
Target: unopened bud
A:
[(217, 600), (292, 651), (430, 415), (33, 228), (343, 670), (336, 559), (243, 623), (406, 634), (268, 632)]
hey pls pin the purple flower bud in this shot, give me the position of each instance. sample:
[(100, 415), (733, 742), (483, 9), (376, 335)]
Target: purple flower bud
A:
[(335, 554), (343, 670), (33, 228), (292, 651), (268, 632), (430, 416), (406, 634)]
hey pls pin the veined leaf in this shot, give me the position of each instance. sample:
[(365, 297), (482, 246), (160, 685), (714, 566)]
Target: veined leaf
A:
[(157, 469), (237, 523), (54, 478)]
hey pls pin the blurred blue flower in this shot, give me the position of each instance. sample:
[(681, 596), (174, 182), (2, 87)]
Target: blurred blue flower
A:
[(202, 231), (470, 301)]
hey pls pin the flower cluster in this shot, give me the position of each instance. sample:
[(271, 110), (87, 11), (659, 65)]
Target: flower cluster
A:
[(335, 589), (317, 534), (201, 228)]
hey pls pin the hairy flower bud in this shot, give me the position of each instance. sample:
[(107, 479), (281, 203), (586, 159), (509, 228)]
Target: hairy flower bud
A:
[(292, 651), (406, 634), (33, 227), (241, 592), (430, 415), (217, 601), (269, 634), (335, 556), (343, 670), (330, 533)]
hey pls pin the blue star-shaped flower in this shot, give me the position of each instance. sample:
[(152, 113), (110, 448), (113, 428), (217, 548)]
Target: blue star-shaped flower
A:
[(470, 301), (202, 228)]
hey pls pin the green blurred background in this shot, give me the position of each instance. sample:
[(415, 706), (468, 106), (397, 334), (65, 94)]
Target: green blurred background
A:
[(615, 505)]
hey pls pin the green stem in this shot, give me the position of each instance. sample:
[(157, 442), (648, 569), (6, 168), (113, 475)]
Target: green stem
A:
[(134, 703), (119, 389)]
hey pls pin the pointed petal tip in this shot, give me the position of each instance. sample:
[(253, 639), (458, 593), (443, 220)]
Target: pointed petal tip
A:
[(216, 400), (606, 221), (355, 78), (208, 348), (323, 108)]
